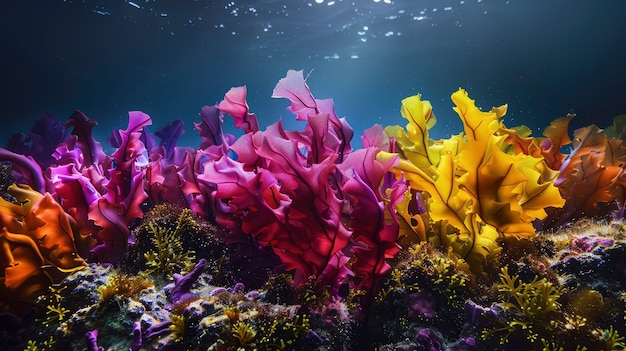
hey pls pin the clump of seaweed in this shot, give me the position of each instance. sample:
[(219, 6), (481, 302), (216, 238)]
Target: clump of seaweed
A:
[(244, 333), (251, 324), (533, 315), (426, 287), (170, 239), (56, 312), (613, 340), (177, 327), (472, 189), (531, 305), (122, 285), (168, 255), (48, 344)]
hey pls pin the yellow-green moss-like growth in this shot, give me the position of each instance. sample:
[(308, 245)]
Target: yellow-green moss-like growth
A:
[(535, 300), (168, 255), (474, 187), (425, 284), (428, 269), (532, 306), (46, 345), (122, 285), (177, 328), (613, 341), (244, 333), (55, 310)]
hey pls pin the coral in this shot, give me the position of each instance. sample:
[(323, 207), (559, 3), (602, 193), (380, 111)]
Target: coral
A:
[(137, 338), (475, 191), (591, 257), (161, 328), (479, 315), (427, 340)]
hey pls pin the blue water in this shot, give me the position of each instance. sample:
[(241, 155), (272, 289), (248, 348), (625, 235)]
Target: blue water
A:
[(543, 58)]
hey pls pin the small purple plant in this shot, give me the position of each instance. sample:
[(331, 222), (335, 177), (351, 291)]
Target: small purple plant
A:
[(158, 329), (135, 345), (91, 337), (238, 288), (427, 340), (183, 283), (422, 303), (479, 315), (588, 243)]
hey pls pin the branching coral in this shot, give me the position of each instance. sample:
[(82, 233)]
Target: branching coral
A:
[(474, 188)]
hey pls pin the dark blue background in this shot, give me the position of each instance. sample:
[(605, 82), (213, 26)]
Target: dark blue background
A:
[(169, 58)]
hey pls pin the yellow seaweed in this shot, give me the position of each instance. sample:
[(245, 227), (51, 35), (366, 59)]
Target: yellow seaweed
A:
[(476, 188)]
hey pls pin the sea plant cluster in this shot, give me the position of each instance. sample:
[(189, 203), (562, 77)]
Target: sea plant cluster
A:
[(294, 240)]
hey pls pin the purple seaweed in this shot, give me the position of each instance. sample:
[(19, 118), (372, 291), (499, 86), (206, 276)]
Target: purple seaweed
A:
[(183, 283), (91, 337)]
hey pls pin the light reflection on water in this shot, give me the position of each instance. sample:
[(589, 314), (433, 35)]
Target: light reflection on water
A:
[(170, 58)]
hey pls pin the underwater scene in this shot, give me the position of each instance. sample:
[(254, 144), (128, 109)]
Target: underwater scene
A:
[(313, 175)]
